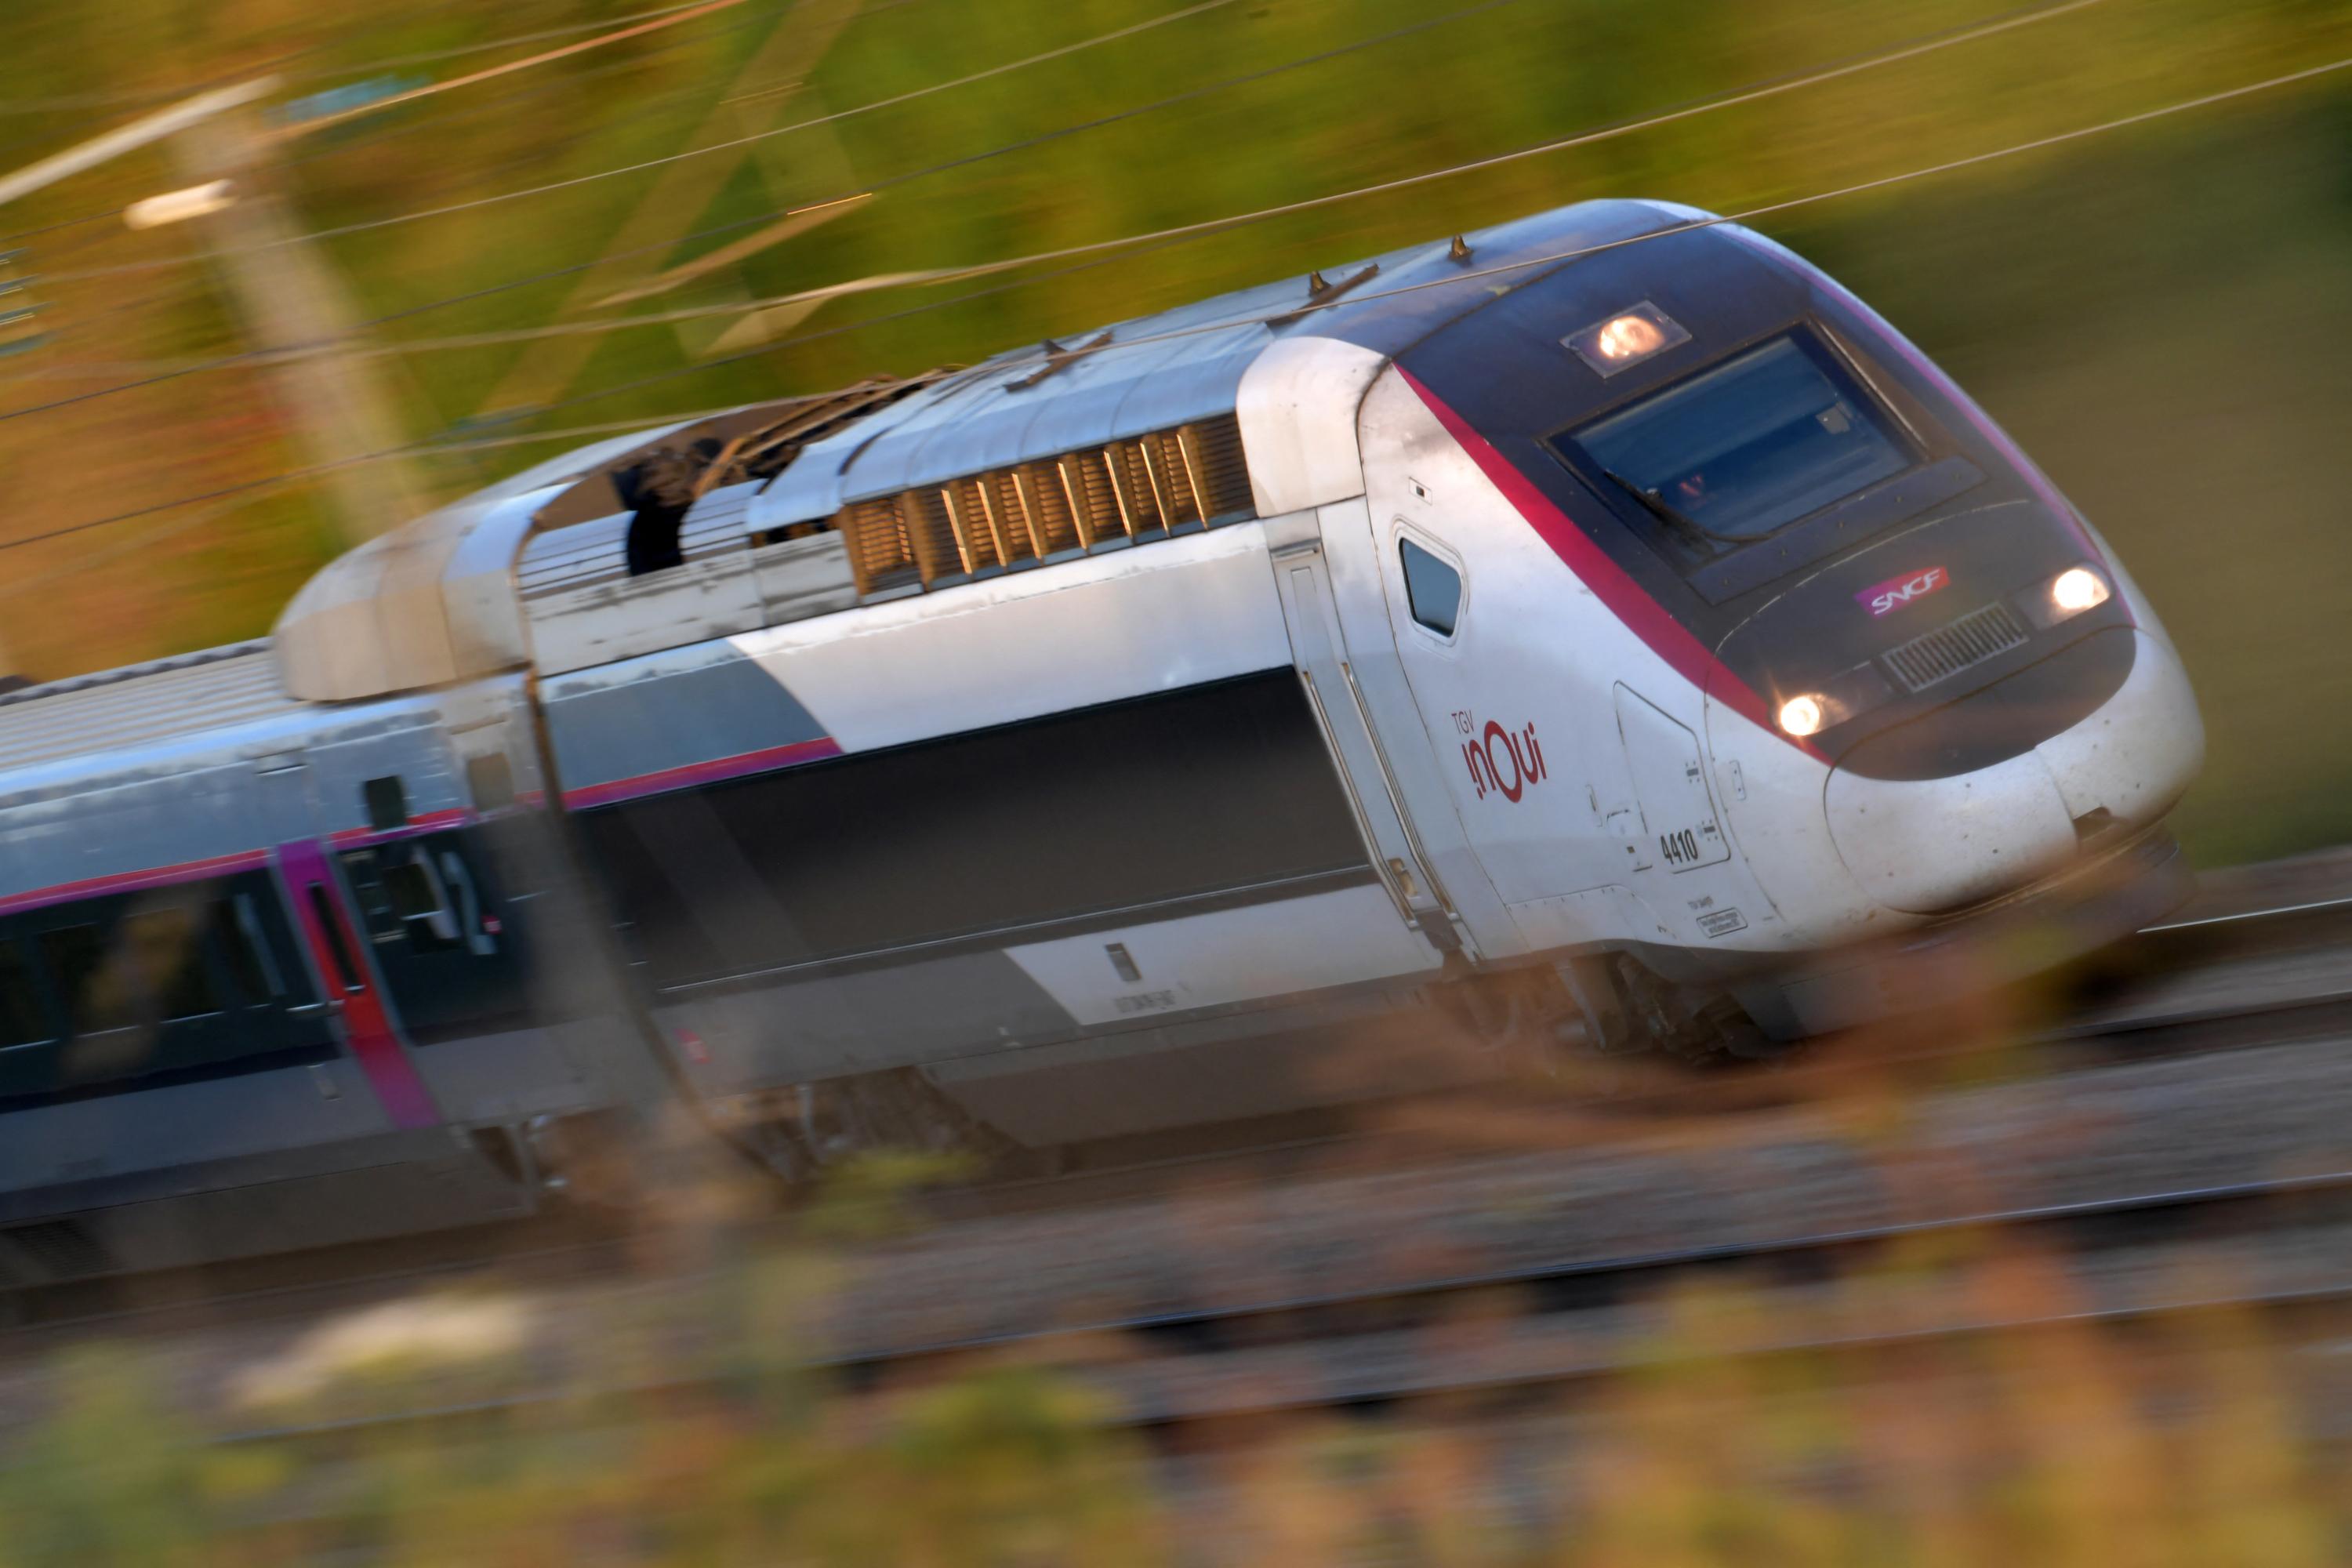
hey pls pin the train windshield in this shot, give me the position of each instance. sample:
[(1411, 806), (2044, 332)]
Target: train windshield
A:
[(1771, 435)]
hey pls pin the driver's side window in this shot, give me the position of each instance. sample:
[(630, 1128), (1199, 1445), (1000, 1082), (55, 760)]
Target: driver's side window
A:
[(1433, 588)]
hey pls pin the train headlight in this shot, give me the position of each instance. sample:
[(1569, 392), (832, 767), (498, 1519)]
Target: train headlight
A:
[(1803, 716), (2076, 589), (2065, 596), (1840, 697), (1627, 338)]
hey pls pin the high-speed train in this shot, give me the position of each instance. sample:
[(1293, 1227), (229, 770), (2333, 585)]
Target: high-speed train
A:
[(1603, 624)]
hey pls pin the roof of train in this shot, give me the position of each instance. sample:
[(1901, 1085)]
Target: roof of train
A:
[(141, 704), (1183, 364), (433, 602), (1147, 374)]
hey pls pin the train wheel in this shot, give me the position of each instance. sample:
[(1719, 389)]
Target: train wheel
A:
[(1623, 1007)]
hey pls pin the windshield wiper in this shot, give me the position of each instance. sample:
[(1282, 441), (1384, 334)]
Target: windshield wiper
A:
[(1689, 528)]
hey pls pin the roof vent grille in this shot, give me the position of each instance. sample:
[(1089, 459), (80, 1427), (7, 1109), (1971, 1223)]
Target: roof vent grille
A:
[(881, 555), (1149, 486)]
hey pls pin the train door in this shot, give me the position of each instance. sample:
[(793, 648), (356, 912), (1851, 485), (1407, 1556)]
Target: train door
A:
[(1513, 705), (1303, 577), (437, 929), (349, 978)]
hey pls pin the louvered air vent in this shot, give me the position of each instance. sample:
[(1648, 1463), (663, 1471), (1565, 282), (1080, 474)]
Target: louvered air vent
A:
[(1038, 490), (1212, 451), (880, 555), (1086, 479), (978, 547), (1955, 647), (1141, 488), (1164, 482), (932, 532)]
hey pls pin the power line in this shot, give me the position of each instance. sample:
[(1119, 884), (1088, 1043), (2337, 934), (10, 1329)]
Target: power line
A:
[(732, 142), (16, 587), (500, 101), (434, 57), (1704, 106), (1909, 50), (1771, 87), (131, 98), (1105, 248), (668, 19), (552, 186), (496, 102), (61, 224), (230, 361), (361, 69), (1453, 280), (648, 22)]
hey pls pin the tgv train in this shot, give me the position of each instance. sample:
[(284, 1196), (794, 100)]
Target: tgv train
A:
[(1602, 626)]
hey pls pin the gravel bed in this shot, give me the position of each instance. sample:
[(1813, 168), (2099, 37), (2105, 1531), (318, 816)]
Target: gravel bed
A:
[(1720, 1181), (1755, 1179)]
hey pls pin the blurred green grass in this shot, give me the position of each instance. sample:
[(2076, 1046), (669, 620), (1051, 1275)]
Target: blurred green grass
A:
[(2175, 1441), (2159, 315)]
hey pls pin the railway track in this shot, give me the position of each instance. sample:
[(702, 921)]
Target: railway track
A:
[(2172, 1163), (1501, 1339), (2272, 975), (1309, 1290)]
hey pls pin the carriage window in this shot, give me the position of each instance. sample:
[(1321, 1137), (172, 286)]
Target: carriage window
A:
[(21, 1023), (96, 993), (404, 897), (1433, 588), (416, 898), (166, 947), (252, 968), (1767, 436), (323, 911)]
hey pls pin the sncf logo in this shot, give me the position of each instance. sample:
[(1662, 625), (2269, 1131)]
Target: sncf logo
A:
[(1896, 592)]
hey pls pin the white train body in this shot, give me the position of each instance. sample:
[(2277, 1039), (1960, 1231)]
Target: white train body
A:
[(1605, 613)]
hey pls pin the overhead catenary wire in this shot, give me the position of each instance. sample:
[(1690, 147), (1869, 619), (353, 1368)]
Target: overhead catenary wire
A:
[(496, 102), (478, 203), (16, 587), (840, 114), (251, 356), (1105, 250), (1885, 182), (459, 51), (1748, 93), (1999, 25), (112, 214), (671, 19), (133, 98), (360, 69), (664, 19)]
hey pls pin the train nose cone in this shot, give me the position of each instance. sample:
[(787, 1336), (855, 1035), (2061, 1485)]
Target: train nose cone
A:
[(1925, 845), (1923, 831)]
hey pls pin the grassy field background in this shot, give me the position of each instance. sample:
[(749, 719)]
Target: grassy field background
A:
[(2159, 314)]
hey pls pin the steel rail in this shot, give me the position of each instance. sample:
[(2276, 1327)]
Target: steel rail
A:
[(1304, 1305), (1085, 1189)]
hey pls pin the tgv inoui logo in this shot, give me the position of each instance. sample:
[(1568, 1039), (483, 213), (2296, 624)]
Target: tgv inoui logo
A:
[(1897, 592)]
